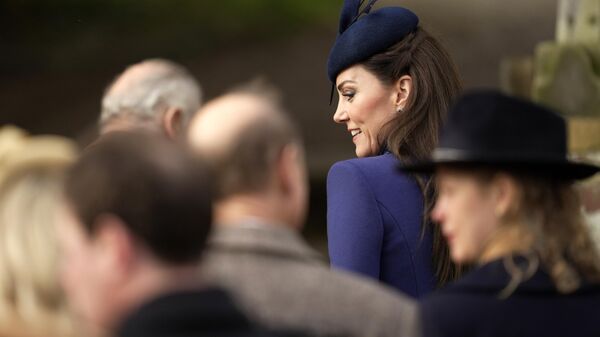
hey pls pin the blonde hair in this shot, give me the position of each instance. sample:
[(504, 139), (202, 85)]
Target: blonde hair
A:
[(548, 212), (31, 173), (552, 211)]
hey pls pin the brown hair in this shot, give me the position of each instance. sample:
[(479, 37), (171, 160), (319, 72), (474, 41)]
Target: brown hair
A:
[(160, 191), (412, 134)]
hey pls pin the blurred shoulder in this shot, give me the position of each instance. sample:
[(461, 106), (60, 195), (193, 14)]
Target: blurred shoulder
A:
[(377, 302), (359, 288)]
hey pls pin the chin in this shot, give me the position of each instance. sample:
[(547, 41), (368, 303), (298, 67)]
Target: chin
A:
[(362, 153), (458, 257)]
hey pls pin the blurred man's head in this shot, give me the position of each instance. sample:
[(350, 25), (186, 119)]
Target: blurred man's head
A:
[(255, 153), (137, 212), (154, 94)]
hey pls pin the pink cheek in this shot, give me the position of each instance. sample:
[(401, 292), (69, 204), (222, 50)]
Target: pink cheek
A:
[(73, 276)]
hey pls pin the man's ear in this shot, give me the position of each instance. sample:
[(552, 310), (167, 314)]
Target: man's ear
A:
[(114, 245), (402, 91), (288, 168), (173, 122), (293, 185)]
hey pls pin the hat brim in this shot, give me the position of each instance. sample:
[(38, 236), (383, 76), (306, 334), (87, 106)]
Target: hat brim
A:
[(567, 170)]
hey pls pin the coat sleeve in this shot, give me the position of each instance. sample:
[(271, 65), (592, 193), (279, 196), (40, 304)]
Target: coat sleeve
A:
[(354, 222)]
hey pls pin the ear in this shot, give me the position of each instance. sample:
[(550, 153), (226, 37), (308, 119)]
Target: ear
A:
[(114, 245), (289, 171), (173, 122), (292, 184), (505, 194), (402, 91)]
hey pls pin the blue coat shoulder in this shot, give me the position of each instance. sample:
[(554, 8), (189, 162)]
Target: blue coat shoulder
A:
[(378, 172), (374, 218)]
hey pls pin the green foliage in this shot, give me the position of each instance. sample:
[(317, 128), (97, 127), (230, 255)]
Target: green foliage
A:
[(71, 32)]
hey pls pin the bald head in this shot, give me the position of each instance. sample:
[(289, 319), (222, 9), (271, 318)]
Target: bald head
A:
[(221, 122), (145, 91), (241, 134)]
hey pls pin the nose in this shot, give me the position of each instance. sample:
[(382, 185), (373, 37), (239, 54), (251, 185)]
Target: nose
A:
[(340, 115), (438, 214)]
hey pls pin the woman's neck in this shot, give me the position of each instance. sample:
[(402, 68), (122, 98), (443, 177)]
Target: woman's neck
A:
[(506, 241)]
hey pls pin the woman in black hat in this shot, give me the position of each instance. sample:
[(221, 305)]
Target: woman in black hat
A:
[(507, 203), (395, 83)]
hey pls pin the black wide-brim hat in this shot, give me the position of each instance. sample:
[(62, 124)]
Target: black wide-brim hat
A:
[(489, 128)]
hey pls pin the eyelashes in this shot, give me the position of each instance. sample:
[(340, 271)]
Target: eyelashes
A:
[(348, 96)]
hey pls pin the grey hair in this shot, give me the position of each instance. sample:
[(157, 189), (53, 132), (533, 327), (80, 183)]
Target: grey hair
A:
[(169, 85)]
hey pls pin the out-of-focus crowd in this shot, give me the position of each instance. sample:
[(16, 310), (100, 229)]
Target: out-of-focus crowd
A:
[(460, 216)]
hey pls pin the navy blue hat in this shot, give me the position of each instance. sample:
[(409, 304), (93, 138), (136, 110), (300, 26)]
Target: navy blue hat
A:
[(362, 37), (492, 129)]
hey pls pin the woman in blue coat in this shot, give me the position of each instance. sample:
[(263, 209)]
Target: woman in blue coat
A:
[(395, 83), (507, 203)]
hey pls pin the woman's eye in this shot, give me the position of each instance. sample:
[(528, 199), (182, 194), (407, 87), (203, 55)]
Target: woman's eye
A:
[(348, 95)]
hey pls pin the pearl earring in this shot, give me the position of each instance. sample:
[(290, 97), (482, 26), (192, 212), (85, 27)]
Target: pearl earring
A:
[(399, 109)]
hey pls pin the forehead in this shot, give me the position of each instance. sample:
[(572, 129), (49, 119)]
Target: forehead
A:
[(452, 174), (357, 73), (463, 178)]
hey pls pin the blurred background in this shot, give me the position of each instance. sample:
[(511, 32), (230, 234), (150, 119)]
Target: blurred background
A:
[(56, 57)]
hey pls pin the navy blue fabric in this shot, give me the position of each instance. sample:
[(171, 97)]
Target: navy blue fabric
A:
[(348, 13), (374, 216), (471, 307), (369, 35)]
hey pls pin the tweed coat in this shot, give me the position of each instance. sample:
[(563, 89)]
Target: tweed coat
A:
[(284, 285)]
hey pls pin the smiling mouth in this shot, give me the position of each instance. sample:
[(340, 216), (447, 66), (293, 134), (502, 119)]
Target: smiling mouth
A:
[(355, 132)]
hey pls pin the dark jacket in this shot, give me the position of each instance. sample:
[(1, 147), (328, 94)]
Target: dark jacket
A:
[(374, 221), (471, 307), (207, 312)]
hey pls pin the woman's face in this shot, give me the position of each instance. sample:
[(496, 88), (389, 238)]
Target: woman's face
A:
[(365, 104), (466, 209)]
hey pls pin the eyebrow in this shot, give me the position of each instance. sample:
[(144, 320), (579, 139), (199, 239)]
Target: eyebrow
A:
[(339, 87)]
